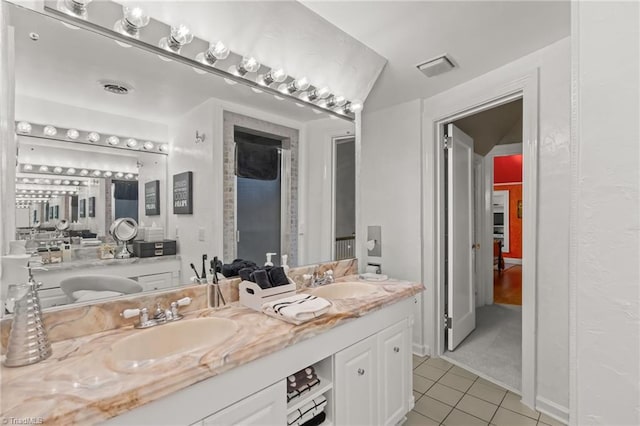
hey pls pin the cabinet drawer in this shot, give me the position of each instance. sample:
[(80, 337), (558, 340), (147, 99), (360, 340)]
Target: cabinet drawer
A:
[(264, 408)]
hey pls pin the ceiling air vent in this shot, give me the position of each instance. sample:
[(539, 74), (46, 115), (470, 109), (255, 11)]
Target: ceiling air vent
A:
[(115, 87), (436, 66)]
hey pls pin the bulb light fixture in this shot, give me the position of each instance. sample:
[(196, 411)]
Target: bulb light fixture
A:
[(71, 171), (247, 64), (119, 175), (27, 167), (23, 127), (57, 169), (84, 172), (216, 52), (93, 137), (133, 20), (315, 94), (73, 134), (113, 140), (335, 101), (97, 173), (77, 8), (164, 148), (108, 174), (44, 169), (297, 85), (274, 75), (49, 130), (352, 107), (132, 143), (148, 145), (179, 36)]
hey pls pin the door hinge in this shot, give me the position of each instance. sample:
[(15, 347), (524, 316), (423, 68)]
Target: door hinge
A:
[(446, 142), (237, 236), (447, 322)]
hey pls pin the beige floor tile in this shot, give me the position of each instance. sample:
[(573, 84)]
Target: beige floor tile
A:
[(429, 371), (487, 383), (421, 384), (439, 363), (460, 418), (493, 394), (506, 417), (445, 394), (433, 409), (420, 358), (550, 421), (460, 383), (416, 419), (477, 407), (416, 395), (462, 372), (512, 402)]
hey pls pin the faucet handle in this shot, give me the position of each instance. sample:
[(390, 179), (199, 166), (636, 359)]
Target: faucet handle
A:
[(184, 301), (130, 313)]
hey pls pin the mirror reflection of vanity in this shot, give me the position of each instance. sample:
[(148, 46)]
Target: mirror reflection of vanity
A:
[(107, 130)]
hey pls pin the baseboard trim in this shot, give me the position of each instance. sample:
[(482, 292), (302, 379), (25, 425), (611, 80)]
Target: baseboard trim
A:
[(551, 409), (421, 350), (513, 261)]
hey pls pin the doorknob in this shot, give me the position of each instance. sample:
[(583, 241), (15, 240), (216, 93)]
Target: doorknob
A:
[(360, 371), (396, 349)]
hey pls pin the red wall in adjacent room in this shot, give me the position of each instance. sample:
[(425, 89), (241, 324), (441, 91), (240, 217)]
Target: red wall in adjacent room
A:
[(507, 176)]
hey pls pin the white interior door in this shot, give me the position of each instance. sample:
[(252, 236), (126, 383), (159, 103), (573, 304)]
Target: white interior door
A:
[(460, 216)]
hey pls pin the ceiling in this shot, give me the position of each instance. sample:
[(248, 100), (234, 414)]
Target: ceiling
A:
[(479, 36), (496, 126), (65, 66)]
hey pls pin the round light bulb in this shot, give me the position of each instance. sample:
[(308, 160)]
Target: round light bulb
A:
[(113, 140), (356, 106), (47, 181), (57, 181), (216, 51), (23, 127), (25, 180), (93, 137), (132, 143), (27, 167), (181, 34), (233, 70), (76, 182), (164, 147), (97, 173), (135, 17), (278, 75), (323, 92), (108, 174), (301, 83), (148, 145), (73, 134), (66, 182), (250, 64), (44, 169), (71, 171), (129, 176), (50, 130), (84, 172), (57, 169), (119, 174)]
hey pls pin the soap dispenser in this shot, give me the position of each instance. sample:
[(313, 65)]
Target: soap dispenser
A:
[(28, 340), (269, 262), (284, 264)]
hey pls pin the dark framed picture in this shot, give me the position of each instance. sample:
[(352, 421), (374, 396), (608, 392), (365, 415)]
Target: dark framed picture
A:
[(152, 198), (82, 208), (92, 206), (183, 193)]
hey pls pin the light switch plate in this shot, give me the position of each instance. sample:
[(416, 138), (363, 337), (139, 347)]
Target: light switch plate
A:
[(375, 233), (201, 234)]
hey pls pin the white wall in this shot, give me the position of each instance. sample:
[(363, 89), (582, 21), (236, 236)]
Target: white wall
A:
[(605, 227), (390, 188), (316, 164)]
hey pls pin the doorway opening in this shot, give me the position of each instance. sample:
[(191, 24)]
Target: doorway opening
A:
[(344, 198), (483, 242), (259, 195)]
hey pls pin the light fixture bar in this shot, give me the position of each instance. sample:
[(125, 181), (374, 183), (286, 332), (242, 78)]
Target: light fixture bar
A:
[(80, 174), (100, 20), (89, 137)]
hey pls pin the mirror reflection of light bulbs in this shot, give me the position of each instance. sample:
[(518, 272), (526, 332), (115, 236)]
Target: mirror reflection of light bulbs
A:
[(133, 20), (44, 169), (76, 182), (57, 181), (164, 147), (148, 145), (27, 167), (250, 64), (84, 172), (113, 140), (66, 182), (73, 134), (57, 169), (119, 174), (71, 171), (47, 181), (23, 127), (128, 176), (93, 137), (301, 83), (179, 36), (275, 75), (216, 51), (132, 143), (76, 8), (97, 173), (50, 130), (108, 174)]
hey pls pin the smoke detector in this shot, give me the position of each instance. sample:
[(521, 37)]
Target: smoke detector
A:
[(115, 87), (436, 66)]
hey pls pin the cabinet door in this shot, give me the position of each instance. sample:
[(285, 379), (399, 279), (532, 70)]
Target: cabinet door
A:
[(356, 386), (395, 373), (264, 408), (156, 281)]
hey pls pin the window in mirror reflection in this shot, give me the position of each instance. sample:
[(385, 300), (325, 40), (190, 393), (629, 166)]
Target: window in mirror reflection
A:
[(125, 199)]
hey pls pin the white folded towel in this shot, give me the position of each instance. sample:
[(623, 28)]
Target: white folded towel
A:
[(370, 276), (307, 411), (297, 309)]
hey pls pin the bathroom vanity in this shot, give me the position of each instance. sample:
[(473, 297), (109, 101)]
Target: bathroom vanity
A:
[(360, 351)]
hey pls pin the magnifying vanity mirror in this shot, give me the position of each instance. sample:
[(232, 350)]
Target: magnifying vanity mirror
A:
[(119, 143)]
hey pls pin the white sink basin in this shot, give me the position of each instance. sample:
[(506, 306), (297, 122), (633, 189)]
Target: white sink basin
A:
[(173, 338), (345, 290)]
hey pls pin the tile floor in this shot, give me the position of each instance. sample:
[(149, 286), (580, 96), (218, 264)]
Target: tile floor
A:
[(448, 395)]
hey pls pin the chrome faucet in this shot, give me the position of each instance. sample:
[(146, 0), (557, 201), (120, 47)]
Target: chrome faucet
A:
[(160, 316), (318, 280)]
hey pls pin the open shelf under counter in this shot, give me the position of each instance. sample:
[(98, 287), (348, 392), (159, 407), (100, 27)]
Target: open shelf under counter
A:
[(324, 371), (325, 386)]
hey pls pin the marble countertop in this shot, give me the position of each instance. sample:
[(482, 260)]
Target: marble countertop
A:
[(81, 384), (96, 263)]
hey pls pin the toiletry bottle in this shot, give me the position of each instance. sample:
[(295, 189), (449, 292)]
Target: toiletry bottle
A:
[(269, 262), (284, 264)]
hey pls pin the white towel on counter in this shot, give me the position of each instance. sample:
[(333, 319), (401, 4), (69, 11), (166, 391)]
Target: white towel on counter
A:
[(307, 411), (370, 276), (297, 309)]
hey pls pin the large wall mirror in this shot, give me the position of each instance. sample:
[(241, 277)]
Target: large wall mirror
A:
[(107, 130)]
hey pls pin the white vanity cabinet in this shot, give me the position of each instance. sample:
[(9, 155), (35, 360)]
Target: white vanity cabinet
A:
[(373, 379), (157, 281), (266, 407)]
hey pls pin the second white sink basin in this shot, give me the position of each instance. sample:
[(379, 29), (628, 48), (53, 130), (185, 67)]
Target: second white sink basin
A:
[(345, 290), (173, 338)]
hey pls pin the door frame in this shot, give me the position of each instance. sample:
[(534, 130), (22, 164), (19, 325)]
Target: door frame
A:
[(471, 99), (486, 247)]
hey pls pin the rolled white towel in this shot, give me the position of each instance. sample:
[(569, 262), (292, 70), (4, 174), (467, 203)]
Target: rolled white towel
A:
[(297, 309)]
